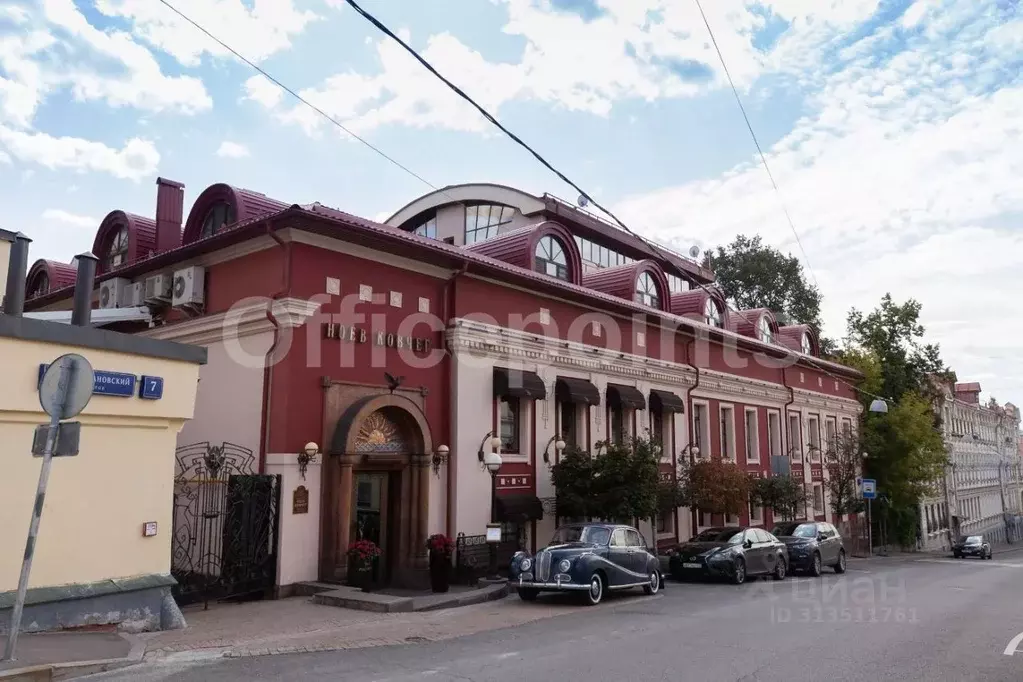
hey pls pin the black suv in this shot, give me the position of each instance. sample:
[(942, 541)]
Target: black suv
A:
[(812, 545)]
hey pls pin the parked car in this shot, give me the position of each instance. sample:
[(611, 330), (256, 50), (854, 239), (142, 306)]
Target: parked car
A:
[(812, 546), (589, 559), (972, 545), (733, 553)]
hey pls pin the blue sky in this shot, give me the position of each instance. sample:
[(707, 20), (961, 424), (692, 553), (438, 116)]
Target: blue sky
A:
[(892, 127)]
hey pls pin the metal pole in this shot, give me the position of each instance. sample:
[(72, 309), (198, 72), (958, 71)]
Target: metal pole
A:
[(493, 519), (870, 529), (33, 532)]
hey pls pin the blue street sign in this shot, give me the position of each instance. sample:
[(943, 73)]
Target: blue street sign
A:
[(869, 488), (116, 384), (151, 388)]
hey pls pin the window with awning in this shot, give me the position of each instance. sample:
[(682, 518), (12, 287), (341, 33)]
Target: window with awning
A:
[(517, 383), (625, 396), (666, 401), (519, 508), (579, 391)]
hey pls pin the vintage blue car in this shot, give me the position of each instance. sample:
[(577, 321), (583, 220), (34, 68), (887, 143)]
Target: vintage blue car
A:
[(588, 558)]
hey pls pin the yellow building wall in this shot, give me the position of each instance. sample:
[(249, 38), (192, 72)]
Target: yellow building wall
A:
[(97, 502)]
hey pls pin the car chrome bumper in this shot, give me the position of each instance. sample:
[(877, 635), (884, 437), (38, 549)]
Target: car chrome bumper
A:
[(557, 585)]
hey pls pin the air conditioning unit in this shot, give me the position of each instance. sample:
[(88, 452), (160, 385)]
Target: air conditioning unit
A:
[(112, 292), (189, 289), (134, 295), (158, 289)]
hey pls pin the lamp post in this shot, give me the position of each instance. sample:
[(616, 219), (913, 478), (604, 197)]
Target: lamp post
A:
[(306, 457), (492, 463), (559, 445)]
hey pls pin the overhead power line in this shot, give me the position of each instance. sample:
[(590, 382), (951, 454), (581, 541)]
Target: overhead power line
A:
[(756, 142), (297, 96), (583, 193)]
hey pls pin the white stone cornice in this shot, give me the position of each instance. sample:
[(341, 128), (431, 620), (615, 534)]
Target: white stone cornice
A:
[(818, 401), (238, 322)]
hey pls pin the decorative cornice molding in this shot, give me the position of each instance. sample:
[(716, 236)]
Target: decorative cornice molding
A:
[(242, 321)]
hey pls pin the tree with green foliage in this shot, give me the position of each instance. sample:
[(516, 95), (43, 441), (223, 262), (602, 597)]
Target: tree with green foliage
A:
[(783, 495), (622, 483), (713, 486), (755, 275), (572, 478), (906, 452), (845, 465)]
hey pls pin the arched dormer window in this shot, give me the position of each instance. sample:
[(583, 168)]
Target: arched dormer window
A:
[(219, 215), (116, 253), (806, 344), (40, 286), (550, 258), (764, 331), (483, 221), (646, 291), (712, 314)]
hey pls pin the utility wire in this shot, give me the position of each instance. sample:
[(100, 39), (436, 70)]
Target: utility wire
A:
[(487, 115), (760, 151), (297, 96)]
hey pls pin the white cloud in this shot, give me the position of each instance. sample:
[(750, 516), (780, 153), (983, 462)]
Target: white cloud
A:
[(232, 150), (257, 33), (62, 216), (259, 89), (902, 177), (136, 160)]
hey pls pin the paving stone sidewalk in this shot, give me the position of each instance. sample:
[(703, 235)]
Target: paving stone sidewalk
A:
[(298, 625)]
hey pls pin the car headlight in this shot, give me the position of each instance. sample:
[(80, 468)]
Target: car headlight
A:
[(525, 564), (564, 565)]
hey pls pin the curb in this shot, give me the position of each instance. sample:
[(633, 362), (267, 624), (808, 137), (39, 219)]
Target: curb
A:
[(65, 671)]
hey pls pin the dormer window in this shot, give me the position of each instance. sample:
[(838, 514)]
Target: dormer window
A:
[(712, 314), (550, 259), (482, 221), (40, 286), (807, 345), (117, 252), (220, 215), (646, 291), (764, 331)]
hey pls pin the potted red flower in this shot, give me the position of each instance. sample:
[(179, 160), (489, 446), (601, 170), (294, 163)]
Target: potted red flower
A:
[(361, 556), (441, 548)]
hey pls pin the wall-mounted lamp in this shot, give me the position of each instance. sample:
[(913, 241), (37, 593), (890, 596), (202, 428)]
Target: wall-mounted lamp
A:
[(439, 457), (307, 455), (879, 406), (692, 450), (559, 445), (490, 440)]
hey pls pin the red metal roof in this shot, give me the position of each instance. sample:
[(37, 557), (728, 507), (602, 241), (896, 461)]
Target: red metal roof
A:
[(791, 336), (58, 275), (141, 237), (245, 203), (341, 225), (693, 304), (972, 387), (518, 247), (745, 321), (620, 280)]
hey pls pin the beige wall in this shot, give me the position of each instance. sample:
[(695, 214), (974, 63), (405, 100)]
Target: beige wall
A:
[(97, 502)]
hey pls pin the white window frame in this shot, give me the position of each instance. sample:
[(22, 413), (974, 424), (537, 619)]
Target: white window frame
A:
[(754, 437), (774, 439), (579, 428), (732, 519), (818, 487), (670, 533), (702, 428), (813, 427), (796, 438), (525, 429), (759, 519), (700, 514), (831, 436), (726, 411)]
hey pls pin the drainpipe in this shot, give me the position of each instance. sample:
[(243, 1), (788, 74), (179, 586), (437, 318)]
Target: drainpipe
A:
[(690, 352), (268, 360), (81, 313), (784, 426), (446, 309), (17, 271)]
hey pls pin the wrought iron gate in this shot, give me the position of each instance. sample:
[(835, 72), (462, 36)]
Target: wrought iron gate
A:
[(224, 542)]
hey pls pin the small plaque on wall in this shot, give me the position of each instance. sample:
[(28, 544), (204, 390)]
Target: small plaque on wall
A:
[(300, 500)]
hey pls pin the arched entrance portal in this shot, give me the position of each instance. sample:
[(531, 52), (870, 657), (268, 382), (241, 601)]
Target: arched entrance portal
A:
[(377, 488)]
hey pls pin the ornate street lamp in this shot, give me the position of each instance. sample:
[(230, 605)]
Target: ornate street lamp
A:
[(492, 463), (306, 457), (559, 445)]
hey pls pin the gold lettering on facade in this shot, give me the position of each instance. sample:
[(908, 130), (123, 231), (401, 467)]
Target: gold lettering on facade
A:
[(353, 334)]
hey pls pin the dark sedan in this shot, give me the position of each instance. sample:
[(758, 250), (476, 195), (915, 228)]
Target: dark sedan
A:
[(812, 546), (730, 552), (972, 545), (588, 559)]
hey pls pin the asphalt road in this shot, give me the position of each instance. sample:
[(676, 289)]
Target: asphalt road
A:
[(886, 619)]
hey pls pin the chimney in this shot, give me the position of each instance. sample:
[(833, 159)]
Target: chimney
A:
[(81, 313), (170, 206), (17, 272)]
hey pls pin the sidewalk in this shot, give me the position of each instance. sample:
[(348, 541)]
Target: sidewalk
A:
[(46, 656)]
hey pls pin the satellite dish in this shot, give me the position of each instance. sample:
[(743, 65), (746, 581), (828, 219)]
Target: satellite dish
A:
[(694, 251), (582, 201)]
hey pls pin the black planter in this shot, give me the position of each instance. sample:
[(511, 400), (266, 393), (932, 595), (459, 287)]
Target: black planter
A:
[(440, 571)]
